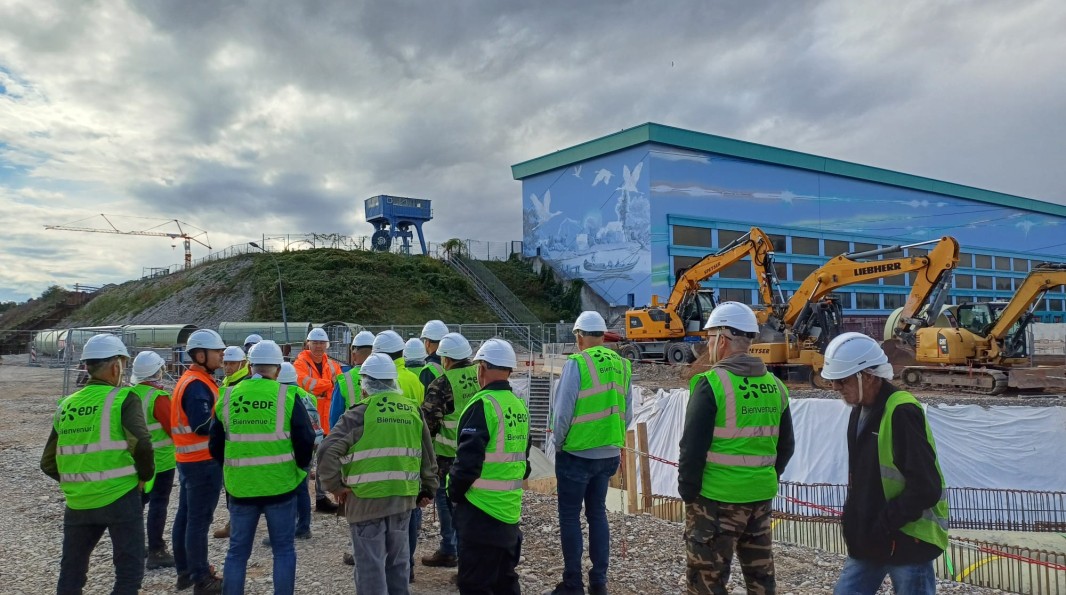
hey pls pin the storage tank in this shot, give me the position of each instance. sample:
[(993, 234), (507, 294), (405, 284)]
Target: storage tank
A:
[(158, 335), (234, 333)]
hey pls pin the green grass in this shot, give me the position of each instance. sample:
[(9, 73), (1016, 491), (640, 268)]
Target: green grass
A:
[(132, 297), (550, 300)]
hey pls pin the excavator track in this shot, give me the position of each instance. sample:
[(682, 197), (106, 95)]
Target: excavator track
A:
[(985, 381)]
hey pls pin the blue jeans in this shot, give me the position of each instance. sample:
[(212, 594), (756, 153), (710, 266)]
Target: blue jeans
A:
[(157, 502), (412, 532), (864, 578), (445, 509), (199, 485), (303, 508), (243, 520), (585, 481), (382, 560)]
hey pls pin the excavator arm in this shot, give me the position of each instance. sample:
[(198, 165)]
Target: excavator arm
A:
[(1044, 278), (756, 244)]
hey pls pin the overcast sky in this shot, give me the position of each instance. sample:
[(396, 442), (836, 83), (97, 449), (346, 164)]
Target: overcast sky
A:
[(245, 118)]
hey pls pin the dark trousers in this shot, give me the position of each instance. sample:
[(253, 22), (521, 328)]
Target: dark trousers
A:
[(199, 485), (82, 530), (157, 502), (488, 569)]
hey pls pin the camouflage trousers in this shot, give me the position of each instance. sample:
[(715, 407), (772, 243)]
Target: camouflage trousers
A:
[(713, 530)]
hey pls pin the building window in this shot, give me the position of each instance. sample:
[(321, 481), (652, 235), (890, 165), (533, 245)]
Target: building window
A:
[(728, 294), (982, 261), (845, 300), (895, 280), (964, 281), (1021, 265), (737, 270), (1003, 284), (682, 263), (863, 247), (692, 236), (894, 300), (917, 252), (779, 242), (965, 259), (781, 270), (983, 282), (1056, 305), (802, 245), (835, 247), (802, 271), (1002, 263), (726, 236), (867, 301)]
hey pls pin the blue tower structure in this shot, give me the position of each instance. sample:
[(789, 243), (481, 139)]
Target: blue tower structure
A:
[(393, 216)]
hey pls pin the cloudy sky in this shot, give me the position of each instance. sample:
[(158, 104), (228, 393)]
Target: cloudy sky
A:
[(245, 118)]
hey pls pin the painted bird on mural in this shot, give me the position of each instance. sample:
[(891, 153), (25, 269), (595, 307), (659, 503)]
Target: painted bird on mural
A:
[(542, 210), (603, 176)]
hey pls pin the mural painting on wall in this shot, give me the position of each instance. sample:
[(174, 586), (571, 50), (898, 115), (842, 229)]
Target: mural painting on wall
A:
[(598, 228)]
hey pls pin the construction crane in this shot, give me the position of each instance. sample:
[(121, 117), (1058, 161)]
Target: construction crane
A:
[(186, 237)]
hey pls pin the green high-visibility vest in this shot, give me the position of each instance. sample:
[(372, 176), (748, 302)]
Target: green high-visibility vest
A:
[(498, 491), (463, 382), (740, 462), (436, 369), (933, 526), (416, 370), (235, 378), (410, 385), (387, 460), (600, 410), (162, 445), (257, 417), (348, 385), (93, 456)]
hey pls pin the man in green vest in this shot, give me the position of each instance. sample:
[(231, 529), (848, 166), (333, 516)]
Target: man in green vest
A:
[(592, 411), (896, 516), (234, 366), (378, 463), (147, 379), (485, 482), (432, 333), (414, 356), (100, 451), (346, 385), (735, 445), (262, 437), (446, 398)]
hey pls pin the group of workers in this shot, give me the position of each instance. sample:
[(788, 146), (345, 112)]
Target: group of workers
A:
[(407, 423)]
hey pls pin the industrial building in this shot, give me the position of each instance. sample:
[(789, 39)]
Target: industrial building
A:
[(626, 211)]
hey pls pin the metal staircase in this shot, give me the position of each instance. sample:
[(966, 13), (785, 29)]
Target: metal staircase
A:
[(539, 405), (502, 301)]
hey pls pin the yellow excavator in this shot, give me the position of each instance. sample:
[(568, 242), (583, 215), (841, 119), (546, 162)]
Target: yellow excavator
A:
[(668, 331), (814, 316), (983, 347)]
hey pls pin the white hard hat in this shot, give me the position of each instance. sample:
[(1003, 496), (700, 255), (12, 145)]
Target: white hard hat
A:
[(498, 353), (318, 334), (414, 349), (204, 338), (363, 339), (145, 365), (388, 342), (590, 320), (233, 354), (287, 375), (379, 366), (454, 346), (252, 339), (434, 330), (851, 353), (266, 352), (733, 315), (103, 347)]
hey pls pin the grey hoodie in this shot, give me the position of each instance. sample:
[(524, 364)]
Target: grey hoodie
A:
[(699, 427)]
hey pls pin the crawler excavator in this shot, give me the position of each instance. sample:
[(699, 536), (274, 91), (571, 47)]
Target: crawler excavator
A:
[(984, 347), (813, 315), (668, 330)]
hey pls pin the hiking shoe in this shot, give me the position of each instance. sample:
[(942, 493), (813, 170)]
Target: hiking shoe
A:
[(222, 533), (304, 535), (564, 589), (159, 559), (184, 582), (597, 589), (212, 585), (348, 559), (325, 505), (440, 560)]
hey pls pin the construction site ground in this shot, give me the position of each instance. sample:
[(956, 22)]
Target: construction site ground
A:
[(647, 553)]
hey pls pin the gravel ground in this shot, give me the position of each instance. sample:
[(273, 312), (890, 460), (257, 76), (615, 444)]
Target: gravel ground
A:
[(648, 553)]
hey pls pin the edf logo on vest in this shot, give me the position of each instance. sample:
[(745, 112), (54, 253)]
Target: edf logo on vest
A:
[(751, 390), (71, 413), (245, 404)]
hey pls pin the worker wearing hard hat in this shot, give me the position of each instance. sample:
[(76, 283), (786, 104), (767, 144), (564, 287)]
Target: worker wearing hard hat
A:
[(446, 398), (485, 480), (414, 356), (250, 341), (592, 409), (378, 462), (735, 445), (287, 376), (346, 385), (234, 366), (896, 514), (199, 476), (263, 439), (315, 372), (100, 451), (432, 332), (147, 379)]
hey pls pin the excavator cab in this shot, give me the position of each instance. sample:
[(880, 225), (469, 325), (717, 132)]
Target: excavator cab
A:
[(978, 318)]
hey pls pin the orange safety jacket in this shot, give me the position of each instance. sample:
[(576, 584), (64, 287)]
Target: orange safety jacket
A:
[(318, 384), (190, 446)]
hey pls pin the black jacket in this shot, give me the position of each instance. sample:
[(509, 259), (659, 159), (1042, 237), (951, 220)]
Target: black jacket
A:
[(871, 525), (471, 522)]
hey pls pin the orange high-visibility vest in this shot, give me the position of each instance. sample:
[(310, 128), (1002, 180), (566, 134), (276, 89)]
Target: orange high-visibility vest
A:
[(190, 446), (318, 384)]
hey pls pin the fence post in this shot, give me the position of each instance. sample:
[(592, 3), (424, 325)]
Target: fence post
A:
[(631, 471), (645, 464)]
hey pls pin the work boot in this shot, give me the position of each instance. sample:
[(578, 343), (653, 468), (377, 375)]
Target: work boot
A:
[(184, 582), (597, 589), (160, 558), (348, 559), (564, 589), (212, 585), (439, 559), (222, 533), (304, 535), (325, 505)]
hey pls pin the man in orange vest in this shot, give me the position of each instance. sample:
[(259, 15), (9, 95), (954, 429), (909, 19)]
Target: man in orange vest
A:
[(199, 476), (315, 372)]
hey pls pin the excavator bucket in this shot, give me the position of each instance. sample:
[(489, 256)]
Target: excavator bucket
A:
[(900, 354)]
